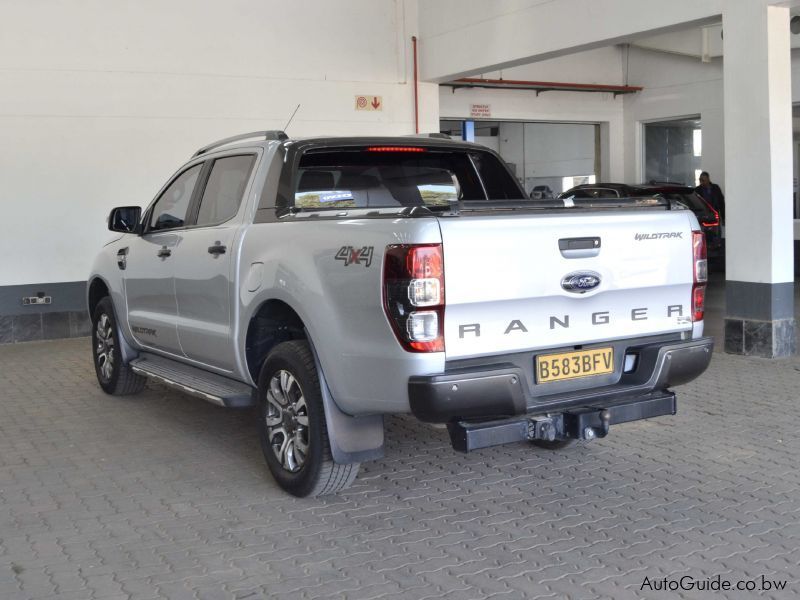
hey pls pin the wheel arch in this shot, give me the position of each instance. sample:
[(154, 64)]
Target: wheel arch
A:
[(352, 439), (96, 291), (273, 322)]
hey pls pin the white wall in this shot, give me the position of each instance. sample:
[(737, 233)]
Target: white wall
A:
[(601, 66), (102, 101), (489, 141), (463, 37), (547, 152), (690, 41), (559, 149)]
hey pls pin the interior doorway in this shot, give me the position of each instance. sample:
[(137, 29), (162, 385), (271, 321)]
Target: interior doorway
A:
[(546, 157), (673, 150)]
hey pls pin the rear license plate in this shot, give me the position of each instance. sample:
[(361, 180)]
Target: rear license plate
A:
[(572, 365)]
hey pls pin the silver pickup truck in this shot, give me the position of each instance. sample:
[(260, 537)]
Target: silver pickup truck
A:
[(332, 281)]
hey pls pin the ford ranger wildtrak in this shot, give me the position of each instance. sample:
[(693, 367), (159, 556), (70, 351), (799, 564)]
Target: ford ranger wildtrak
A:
[(332, 281)]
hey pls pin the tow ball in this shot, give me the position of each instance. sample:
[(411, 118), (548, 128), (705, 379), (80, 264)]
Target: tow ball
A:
[(587, 424), (582, 424), (601, 431)]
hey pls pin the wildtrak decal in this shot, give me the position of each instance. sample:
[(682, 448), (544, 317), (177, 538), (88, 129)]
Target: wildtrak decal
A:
[(144, 331), (659, 236)]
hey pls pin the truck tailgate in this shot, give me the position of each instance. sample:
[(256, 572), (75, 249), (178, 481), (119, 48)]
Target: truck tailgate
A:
[(505, 279)]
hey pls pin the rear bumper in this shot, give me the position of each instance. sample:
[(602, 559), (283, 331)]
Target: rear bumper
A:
[(584, 422), (498, 391)]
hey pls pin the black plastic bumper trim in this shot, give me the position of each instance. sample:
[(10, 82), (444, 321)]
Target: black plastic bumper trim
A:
[(498, 391)]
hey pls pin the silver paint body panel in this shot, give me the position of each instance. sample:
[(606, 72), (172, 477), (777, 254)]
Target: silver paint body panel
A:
[(150, 292)]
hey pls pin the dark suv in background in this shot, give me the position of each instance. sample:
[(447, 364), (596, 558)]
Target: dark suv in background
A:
[(706, 215)]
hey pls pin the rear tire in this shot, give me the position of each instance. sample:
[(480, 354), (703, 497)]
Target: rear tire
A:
[(291, 425), (114, 377), (554, 445)]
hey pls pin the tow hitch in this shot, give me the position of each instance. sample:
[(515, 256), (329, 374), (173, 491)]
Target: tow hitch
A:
[(588, 424), (582, 423)]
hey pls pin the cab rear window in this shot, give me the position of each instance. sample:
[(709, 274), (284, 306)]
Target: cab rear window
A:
[(690, 200), (399, 176)]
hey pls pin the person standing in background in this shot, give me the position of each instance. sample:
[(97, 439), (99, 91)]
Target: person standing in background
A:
[(712, 194)]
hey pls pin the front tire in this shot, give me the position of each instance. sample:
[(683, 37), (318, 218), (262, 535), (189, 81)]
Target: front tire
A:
[(291, 425), (114, 377)]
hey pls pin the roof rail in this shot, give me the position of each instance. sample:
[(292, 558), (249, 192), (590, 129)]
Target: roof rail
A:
[(661, 182), (273, 134)]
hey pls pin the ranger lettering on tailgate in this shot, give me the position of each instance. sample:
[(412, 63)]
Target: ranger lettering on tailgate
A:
[(597, 318)]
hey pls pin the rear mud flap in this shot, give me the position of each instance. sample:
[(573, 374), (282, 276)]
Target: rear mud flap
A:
[(352, 439)]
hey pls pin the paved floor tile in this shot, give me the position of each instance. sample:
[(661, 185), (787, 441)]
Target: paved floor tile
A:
[(164, 496)]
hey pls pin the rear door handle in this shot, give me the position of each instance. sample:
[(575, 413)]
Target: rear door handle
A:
[(217, 249), (164, 252), (579, 247)]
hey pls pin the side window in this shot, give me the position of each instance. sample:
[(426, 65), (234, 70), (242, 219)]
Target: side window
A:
[(499, 184), (224, 189), (171, 207)]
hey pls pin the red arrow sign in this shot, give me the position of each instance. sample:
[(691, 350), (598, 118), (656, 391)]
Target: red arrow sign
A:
[(369, 102)]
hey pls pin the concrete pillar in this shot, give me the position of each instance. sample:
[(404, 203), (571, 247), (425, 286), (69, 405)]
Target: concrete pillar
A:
[(759, 312)]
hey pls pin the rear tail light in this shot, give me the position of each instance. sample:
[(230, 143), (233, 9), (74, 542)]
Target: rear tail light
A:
[(413, 279), (425, 292), (700, 268), (715, 221), (423, 326)]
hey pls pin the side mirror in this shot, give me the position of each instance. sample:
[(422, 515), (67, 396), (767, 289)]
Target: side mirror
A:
[(125, 219)]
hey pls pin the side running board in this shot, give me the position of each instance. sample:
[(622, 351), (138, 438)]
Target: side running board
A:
[(208, 386)]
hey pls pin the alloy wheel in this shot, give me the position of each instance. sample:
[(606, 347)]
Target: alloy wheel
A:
[(287, 421), (104, 348)]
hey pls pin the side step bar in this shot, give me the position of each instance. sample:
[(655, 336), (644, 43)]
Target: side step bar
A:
[(208, 386), (580, 422)]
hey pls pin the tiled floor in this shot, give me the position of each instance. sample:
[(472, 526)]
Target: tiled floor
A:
[(165, 496)]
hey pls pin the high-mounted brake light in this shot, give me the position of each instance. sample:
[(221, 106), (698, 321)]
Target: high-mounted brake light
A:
[(395, 149), (413, 278), (700, 272)]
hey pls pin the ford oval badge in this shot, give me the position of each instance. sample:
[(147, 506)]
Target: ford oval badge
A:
[(581, 282)]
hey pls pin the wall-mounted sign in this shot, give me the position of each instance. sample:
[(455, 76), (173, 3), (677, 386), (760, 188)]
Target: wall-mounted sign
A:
[(480, 111), (369, 103)]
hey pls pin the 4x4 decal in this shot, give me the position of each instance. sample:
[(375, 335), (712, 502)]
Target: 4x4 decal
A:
[(358, 256)]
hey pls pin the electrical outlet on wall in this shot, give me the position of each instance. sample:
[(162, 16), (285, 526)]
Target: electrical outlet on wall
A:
[(38, 299)]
